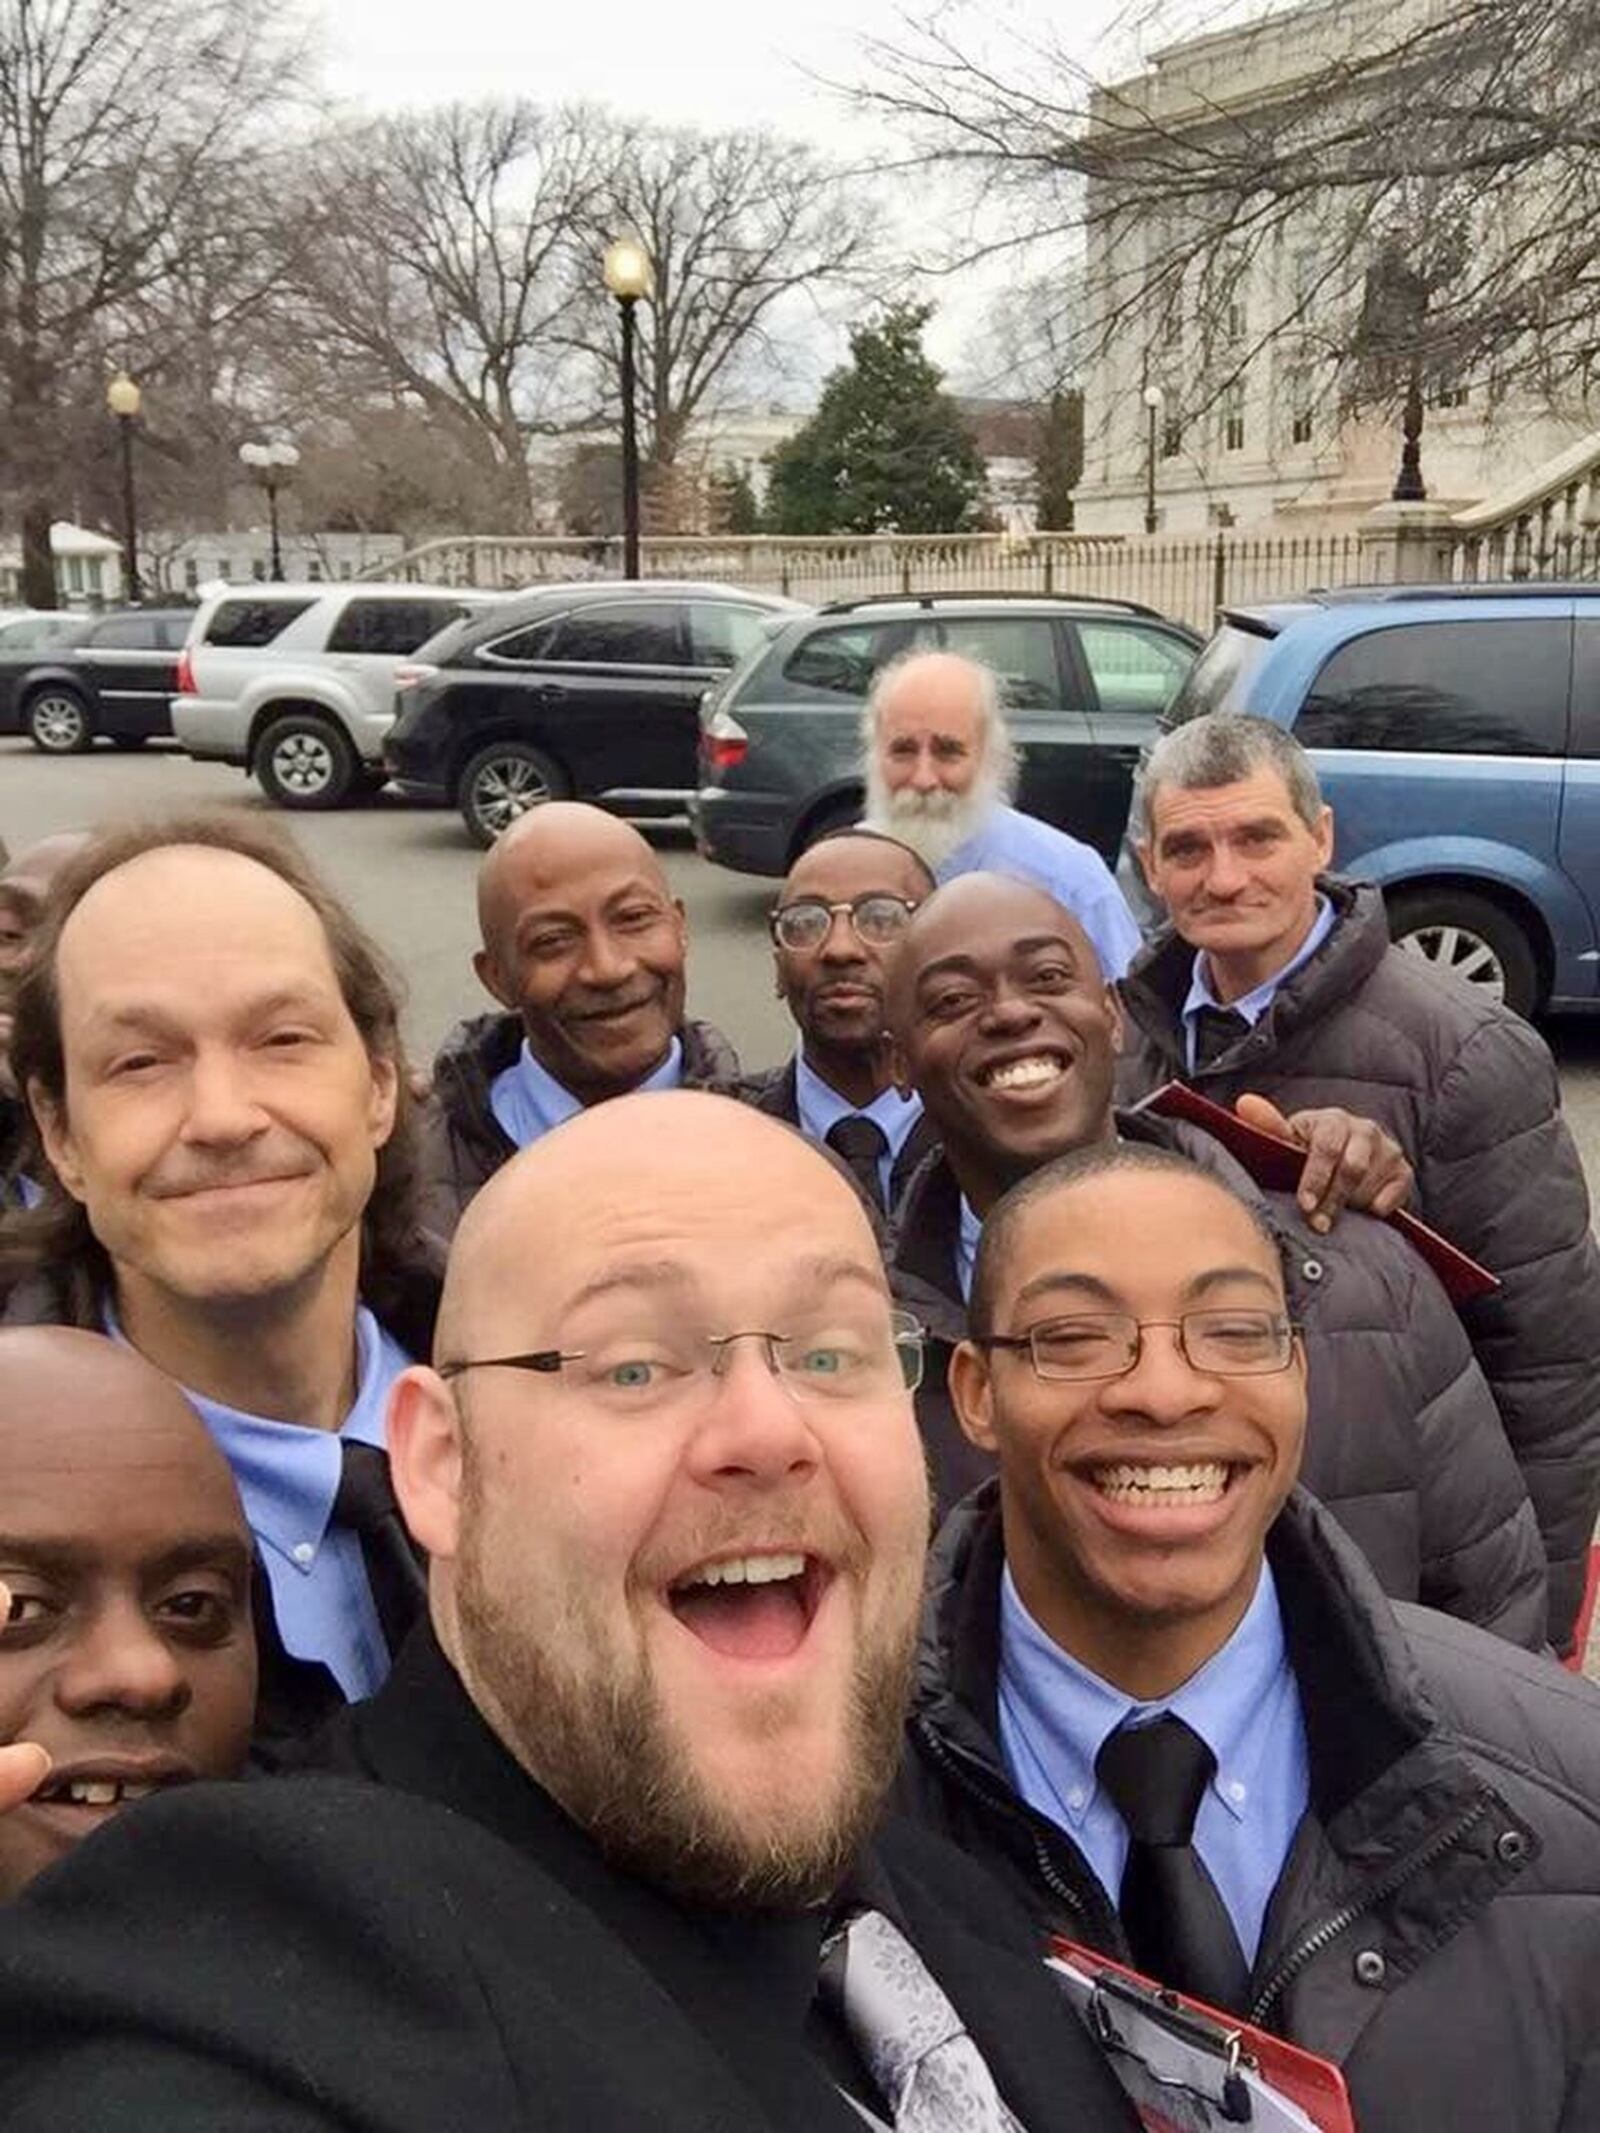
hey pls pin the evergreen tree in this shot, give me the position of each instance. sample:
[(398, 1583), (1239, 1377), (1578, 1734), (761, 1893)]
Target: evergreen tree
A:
[(1058, 461), (886, 450)]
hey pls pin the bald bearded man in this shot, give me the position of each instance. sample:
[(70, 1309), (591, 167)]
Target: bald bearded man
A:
[(607, 1850), (583, 945), (126, 1653)]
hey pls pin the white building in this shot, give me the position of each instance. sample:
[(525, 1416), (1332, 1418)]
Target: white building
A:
[(88, 567), (176, 565), (1270, 445)]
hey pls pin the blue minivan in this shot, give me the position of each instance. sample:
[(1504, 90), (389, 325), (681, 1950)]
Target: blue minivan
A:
[(1456, 731)]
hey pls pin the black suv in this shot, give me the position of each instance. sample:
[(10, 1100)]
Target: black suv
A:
[(587, 692), (1084, 683), (66, 678)]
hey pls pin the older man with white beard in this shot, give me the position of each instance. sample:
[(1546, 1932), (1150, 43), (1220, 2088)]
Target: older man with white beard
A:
[(941, 772)]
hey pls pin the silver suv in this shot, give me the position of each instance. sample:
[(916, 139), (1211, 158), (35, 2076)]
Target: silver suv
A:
[(296, 682)]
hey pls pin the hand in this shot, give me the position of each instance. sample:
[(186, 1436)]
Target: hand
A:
[(1350, 1161), (23, 1767)]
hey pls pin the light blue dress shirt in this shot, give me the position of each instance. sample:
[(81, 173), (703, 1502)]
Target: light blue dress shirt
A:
[(1253, 1004), (967, 1246), (288, 1476), (529, 1102), (1055, 1716), (1010, 842), (821, 1108)]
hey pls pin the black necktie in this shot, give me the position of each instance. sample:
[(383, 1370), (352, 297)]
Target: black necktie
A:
[(365, 1503), (863, 1144), (1216, 1030), (1177, 1925)]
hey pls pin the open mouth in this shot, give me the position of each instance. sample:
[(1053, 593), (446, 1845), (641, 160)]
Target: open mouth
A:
[(751, 1606), (1164, 1488), (1022, 1076), (97, 1792)]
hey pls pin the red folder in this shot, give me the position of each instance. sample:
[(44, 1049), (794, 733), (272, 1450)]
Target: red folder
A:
[(1275, 1164), (1189, 2068)]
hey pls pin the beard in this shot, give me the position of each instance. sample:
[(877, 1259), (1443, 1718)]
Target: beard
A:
[(596, 1733), (934, 824)]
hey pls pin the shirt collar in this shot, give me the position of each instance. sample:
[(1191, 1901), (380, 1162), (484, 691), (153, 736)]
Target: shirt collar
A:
[(550, 1103), (1071, 1712), (821, 1107), (1254, 1004), (967, 1236)]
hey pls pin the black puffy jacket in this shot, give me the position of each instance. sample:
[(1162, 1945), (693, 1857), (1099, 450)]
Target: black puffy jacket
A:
[(1436, 1927), (1470, 1093), (1403, 1443)]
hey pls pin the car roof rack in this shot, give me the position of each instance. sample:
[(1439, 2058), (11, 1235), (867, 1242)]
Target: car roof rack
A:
[(927, 601), (1451, 589)]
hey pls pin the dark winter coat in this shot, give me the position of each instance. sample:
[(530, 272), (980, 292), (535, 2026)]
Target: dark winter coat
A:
[(1403, 1444), (1436, 1927), (1470, 1093), (774, 1093), (464, 1144)]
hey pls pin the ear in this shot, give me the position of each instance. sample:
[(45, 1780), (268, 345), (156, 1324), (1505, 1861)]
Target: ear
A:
[(56, 1135), (424, 1438), (1323, 833), (1114, 1017), (489, 977), (972, 1391), (900, 1067), (385, 1099), (1146, 854)]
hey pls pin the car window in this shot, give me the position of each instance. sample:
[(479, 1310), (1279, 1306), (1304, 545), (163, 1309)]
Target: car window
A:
[(842, 662), (246, 625), (395, 627), (1452, 688), (721, 634), (522, 645), (1220, 678), (1134, 669), (638, 634), (1020, 649), (172, 631), (124, 633), (30, 633), (1586, 689)]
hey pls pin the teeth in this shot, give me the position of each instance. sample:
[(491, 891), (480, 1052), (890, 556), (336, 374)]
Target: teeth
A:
[(1026, 1073), (1140, 1484), (749, 1570), (93, 1792)]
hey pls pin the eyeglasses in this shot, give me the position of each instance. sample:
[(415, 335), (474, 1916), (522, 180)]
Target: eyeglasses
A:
[(876, 919), (1108, 1344), (642, 1371)]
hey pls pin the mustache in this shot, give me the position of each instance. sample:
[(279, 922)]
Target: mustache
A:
[(284, 1156)]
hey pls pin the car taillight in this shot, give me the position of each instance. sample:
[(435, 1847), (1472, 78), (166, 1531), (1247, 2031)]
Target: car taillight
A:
[(723, 742), (185, 682), (407, 677)]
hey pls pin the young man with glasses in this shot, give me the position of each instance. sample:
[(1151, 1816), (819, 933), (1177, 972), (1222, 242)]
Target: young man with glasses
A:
[(838, 918), (609, 1849), (1003, 1021), (1164, 1699)]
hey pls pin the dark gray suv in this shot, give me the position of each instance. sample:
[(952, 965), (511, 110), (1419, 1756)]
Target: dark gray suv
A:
[(1084, 683)]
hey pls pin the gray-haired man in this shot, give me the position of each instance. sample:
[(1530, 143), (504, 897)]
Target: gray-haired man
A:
[(1279, 980)]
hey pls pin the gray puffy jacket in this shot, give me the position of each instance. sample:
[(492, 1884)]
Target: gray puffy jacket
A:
[(1436, 1927), (1470, 1093), (1403, 1444)]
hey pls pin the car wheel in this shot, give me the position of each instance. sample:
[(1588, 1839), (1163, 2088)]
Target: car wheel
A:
[(1473, 939), (306, 762), (58, 722), (501, 783)]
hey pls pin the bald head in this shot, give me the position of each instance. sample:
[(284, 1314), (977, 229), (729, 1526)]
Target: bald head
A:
[(1004, 1024), (126, 1553), (583, 940), (32, 873)]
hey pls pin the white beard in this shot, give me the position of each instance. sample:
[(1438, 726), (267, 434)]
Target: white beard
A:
[(934, 824)]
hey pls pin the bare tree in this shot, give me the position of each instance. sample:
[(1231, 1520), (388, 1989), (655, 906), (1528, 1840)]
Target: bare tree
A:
[(1461, 135), (113, 114)]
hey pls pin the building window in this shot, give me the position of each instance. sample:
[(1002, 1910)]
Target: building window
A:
[(258, 569), (1300, 426), (1236, 318), (1449, 393), (1171, 436), (1233, 417), (191, 574)]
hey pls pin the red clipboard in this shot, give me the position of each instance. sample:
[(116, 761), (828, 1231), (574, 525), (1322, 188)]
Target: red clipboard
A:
[(1276, 1163), (1268, 2072)]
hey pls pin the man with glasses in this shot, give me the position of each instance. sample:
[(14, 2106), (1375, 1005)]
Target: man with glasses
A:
[(1165, 1700), (1004, 1023), (608, 1849), (837, 920)]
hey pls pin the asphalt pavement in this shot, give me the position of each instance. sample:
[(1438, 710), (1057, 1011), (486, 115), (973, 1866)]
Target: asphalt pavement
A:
[(408, 873)]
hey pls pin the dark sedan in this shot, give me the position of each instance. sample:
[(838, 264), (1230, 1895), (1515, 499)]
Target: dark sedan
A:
[(64, 679), (587, 692)]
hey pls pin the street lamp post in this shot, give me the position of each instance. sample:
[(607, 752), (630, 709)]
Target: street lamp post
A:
[(123, 398), (271, 465), (628, 275), (1154, 398)]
